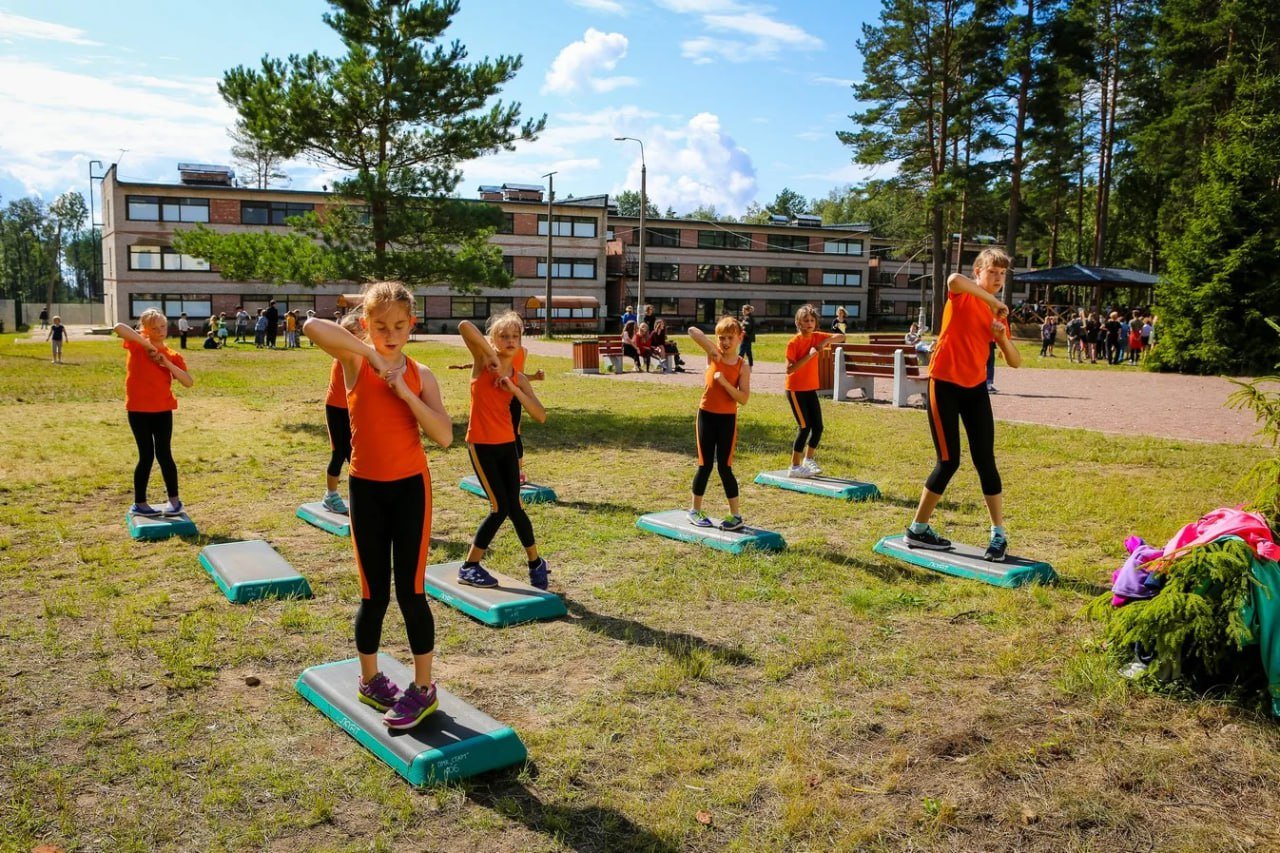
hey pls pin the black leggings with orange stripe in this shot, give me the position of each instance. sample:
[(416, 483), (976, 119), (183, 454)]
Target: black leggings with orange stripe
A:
[(498, 468), (808, 414), (717, 437), (949, 404), (391, 531)]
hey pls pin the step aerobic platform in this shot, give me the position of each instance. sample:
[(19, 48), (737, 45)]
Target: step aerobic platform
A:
[(829, 487), (455, 742), (333, 522), (675, 524), (508, 603), (247, 571), (530, 493), (160, 526), (965, 561)]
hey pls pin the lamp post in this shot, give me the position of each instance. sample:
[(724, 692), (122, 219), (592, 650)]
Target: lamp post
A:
[(546, 307), (644, 202), (96, 232)]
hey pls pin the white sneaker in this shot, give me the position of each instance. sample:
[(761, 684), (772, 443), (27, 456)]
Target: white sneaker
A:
[(812, 467), (800, 472)]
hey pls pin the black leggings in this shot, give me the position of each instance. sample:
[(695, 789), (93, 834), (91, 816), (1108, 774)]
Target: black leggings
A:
[(339, 422), (391, 531), (153, 432), (808, 415), (949, 404), (717, 438), (516, 408), (498, 469)]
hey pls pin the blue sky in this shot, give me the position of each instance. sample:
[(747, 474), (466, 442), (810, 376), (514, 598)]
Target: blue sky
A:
[(734, 99)]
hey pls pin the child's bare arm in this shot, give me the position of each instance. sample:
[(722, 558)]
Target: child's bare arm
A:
[(740, 392), (343, 346), (485, 357), (178, 373), (427, 406), (129, 333), (518, 384), (957, 283), (700, 338), (1012, 357)]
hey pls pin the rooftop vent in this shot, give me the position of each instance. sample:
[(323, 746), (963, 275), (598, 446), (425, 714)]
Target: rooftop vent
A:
[(808, 220), (778, 219), (205, 175)]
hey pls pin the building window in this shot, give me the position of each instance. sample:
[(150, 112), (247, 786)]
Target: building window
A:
[(786, 275), (468, 307), (723, 240), (284, 302), (723, 273), (842, 247), (568, 268), (154, 208), (164, 259), (886, 308), (172, 304), (509, 265), (508, 225), (779, 308), (662, 237), (662, 272), (842, 278), (666, 307), (885, 278), (568, 226), (271, 212), (788, 243), (566, 313), (829, 309)]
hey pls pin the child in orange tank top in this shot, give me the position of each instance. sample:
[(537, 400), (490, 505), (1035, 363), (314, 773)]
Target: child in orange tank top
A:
[(338, 421), (391, 400), (491, 440), (803, 352), (150, 368), (515, 407), (727, 385)]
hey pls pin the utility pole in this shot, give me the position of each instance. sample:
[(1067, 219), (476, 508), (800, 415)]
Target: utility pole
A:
[(644, 203), (546, 307)]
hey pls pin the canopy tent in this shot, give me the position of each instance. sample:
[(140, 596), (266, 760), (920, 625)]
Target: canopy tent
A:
[(1080, 285)]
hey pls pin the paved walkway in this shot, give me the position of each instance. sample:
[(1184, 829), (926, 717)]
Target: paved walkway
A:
[(1117, 400)]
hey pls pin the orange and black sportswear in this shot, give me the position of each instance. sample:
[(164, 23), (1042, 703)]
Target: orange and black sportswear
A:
[(148, 387), (385, 436), (714, 397), (337, 395), (804, 378), (964, 344), (716, 429), (490, 421), (491, 443), (338, 421)]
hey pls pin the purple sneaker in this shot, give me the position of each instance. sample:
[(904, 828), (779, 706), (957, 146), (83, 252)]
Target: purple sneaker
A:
[(414, 706), (380, 692)]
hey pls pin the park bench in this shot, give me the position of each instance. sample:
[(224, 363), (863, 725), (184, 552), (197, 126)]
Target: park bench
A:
[(857, 366), (887, 338), (611, 348)]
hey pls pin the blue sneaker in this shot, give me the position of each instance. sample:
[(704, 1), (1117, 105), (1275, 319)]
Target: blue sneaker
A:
[(733, 522), (996, 550), (173, 507), (334, 503), (476, 575), (698, 518), (538, 574), (144, 510)]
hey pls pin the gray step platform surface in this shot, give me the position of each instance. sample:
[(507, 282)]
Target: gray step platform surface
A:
[(675, 524), (530, 493), (249, 570), (160, 526), (455, 742), (332, 522), (830, 487), (965, 561), (510, 602)]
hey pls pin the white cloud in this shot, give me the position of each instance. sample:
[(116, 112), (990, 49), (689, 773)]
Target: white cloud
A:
[(577, 65), (16, 26), (740, 32), (694, 165), (613, 7), (763, 28), (823, 80), (699, 7)]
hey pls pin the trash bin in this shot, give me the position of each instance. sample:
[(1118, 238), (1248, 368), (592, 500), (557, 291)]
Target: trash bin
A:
[(586, 356)]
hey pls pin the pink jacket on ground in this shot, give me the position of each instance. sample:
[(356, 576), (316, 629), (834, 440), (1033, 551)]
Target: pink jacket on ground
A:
[(1227, 521)]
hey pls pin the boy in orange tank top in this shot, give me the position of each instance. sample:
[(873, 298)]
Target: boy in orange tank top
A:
[(149, 371), (392, 400), (727, 385), (491, 440), (973, 319)]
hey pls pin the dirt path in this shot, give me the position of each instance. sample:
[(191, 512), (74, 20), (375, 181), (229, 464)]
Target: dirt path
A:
[(1116, 400)]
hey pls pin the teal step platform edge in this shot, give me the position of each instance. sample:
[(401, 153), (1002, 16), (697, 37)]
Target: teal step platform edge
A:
[(508, 603), (247, 571), (828, 487), (965, 561), (455, 742), (330, 522), (160, 527), (530, 493), (674, 524)]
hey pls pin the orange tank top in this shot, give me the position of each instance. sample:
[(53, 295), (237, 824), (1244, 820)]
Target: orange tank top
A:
[(148, 387), (517, 363), (714, 397), (337, 395), (490, 412), (964, 344), (385, 436), (805, 378)]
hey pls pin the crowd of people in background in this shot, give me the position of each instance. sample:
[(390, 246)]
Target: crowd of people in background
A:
[(1114, 337)]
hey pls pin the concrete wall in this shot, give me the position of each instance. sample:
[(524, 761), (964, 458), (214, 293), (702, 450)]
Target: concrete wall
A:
[(72, 313)]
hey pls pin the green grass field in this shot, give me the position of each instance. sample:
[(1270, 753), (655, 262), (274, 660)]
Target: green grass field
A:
[(823, 698)]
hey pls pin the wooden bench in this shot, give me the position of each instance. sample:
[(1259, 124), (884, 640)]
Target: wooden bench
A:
[(611, 348), (857, 366), (887, 337)]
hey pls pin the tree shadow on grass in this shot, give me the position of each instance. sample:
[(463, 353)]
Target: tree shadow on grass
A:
[(582, 828), (677, 645), (885, 569), (601, 506), (315, 429)]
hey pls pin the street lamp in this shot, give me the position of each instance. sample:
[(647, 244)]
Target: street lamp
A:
[(644, 202), (546, 308), (95, 231)]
